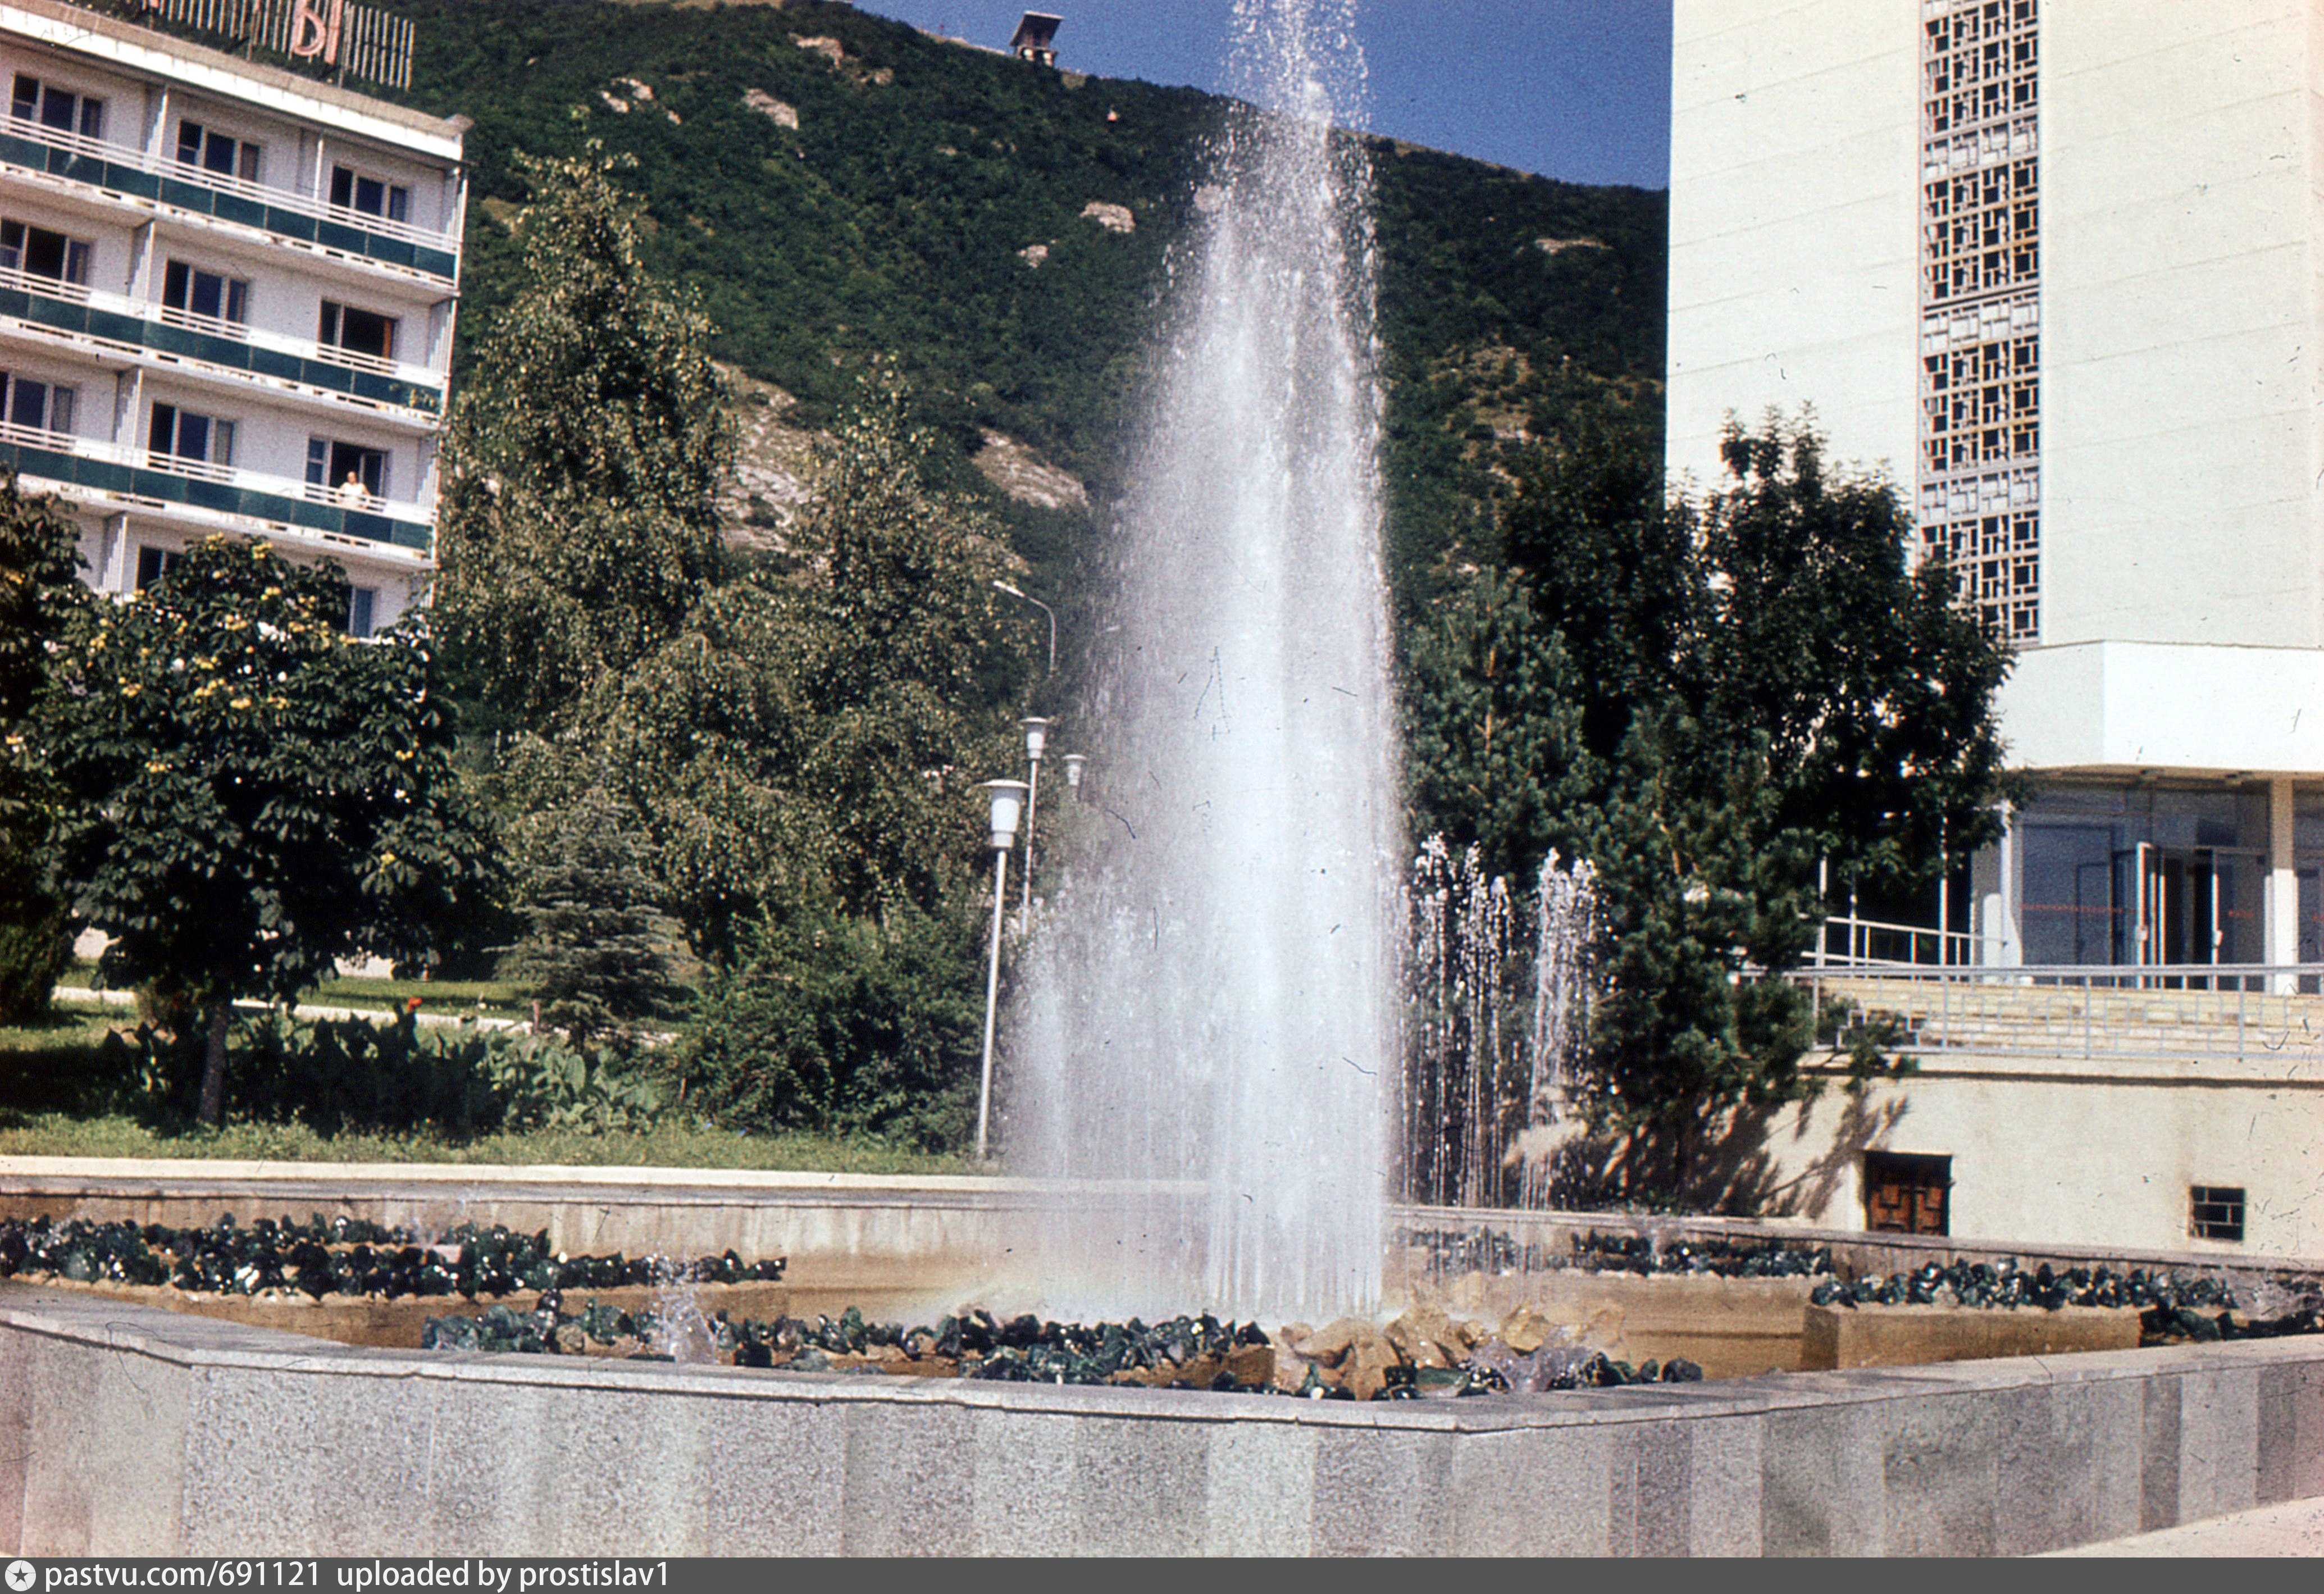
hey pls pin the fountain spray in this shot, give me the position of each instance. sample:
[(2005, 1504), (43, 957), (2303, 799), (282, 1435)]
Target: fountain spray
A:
[(1210, 1039)]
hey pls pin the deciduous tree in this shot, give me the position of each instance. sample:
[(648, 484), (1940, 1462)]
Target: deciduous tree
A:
[(1761, 680), (247, 793), (579, 523)]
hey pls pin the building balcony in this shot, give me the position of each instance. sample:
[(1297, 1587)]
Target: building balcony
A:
[(146, 182), (140, 332), (129, 479)]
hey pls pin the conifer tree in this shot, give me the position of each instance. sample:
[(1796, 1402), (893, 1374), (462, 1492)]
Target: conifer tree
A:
[(597, 953)]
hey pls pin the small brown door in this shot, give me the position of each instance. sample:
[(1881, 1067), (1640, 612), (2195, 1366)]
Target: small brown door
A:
[(1906, 1194)]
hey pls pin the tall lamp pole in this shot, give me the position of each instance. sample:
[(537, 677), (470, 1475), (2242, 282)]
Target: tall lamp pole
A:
[(1008, 796), (1037, 736), (1044, 608)]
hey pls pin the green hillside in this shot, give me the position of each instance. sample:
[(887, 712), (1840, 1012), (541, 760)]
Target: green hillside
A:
[(891, 219)]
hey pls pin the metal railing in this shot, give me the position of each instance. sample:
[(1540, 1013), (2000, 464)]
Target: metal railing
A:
[(1877, 944), (203, 471), (2153, 1013), (222, 182), (302, 348)]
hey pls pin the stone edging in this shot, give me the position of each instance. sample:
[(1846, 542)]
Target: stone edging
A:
[(129, 1431)]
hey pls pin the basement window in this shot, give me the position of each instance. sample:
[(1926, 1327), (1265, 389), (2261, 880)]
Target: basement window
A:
[(2216, 1211), (1907, 1194)]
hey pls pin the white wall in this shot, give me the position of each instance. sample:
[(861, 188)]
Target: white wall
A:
[(2131, 707), (2179, 360), (1794, 224), (2053, 1154)]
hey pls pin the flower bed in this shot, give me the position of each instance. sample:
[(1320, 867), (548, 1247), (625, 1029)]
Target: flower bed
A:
[(336, 1257)]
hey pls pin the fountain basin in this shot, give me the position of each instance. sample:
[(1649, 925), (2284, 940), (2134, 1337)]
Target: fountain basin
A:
[(128, 1430), (1909, 1336)]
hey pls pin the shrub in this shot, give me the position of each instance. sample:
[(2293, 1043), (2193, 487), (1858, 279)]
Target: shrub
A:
[(842, 1025), (336, 1075), (35, 950)]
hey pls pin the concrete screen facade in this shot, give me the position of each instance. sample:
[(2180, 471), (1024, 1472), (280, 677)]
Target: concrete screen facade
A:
[(227, 303)]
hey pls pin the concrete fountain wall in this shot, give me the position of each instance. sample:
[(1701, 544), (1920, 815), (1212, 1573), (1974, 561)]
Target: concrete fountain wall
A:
[(125, 1429), (915, 1247)]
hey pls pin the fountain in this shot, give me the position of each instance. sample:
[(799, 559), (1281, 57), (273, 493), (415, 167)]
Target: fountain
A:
[(1211, 1016)]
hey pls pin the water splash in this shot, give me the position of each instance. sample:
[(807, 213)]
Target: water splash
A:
[(1566, 899), (1462, 1095), (680, 1330), (1211, 1025)]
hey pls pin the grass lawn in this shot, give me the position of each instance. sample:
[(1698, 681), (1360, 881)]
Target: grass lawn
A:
[(61, 1095)]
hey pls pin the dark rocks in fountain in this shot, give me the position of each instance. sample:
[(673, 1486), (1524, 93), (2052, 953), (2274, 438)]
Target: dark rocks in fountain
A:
[(1422, 1354), (2172, 1308), (1497, 1251), (343, 1257)]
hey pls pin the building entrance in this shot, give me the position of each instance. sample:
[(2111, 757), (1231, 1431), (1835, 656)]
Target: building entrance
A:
[(2189, 905)]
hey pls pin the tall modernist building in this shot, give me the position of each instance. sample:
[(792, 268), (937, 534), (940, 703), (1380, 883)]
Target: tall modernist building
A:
[(2059, 268), (227, 298)]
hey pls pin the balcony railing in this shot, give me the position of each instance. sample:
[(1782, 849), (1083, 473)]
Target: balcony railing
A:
[(165, 479), (2270, 1014), (117, 319), (161, 180)]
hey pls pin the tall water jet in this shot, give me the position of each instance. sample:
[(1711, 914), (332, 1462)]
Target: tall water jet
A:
[(1210, 1024)]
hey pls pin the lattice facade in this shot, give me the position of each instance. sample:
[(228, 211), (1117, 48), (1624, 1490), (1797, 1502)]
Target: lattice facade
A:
[(1980, 478)]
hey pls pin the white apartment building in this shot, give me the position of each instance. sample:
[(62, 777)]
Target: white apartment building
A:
[(2057, 266), (226, 301)]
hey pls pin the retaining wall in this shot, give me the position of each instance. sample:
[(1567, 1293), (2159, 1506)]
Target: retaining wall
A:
[(912, 1226), (129, 1431)]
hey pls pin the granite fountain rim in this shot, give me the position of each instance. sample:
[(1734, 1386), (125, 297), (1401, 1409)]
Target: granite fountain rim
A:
[(196, 1343)]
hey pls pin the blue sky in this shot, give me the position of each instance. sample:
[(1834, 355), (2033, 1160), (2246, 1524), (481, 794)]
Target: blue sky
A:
[(1578, 89)]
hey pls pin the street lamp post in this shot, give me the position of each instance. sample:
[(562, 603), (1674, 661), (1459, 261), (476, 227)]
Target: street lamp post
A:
[(1037, 736), (1044, 608), (1074, 761), (1007, 797)]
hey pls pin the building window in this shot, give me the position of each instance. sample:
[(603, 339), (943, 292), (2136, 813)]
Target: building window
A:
[(154, 563), (57, 107), (371, 196), (2216, 1211), (348, 470), (179, 437), (39, 252), (1980, 480), (36, 406), (358, 332), (193, 292), (223, 153), (362, 603), (1907, 1194)]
